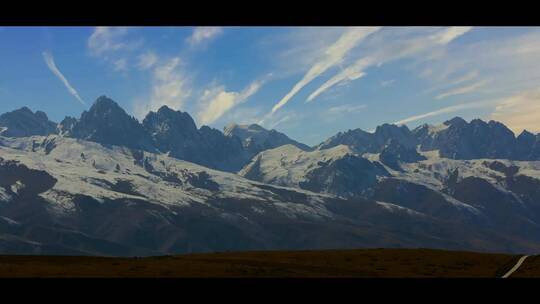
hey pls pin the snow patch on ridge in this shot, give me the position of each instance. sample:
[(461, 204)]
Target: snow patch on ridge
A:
[(396, 208), (4, 196), (104, 172), (288, 164)]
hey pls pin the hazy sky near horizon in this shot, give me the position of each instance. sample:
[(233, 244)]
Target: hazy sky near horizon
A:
[(309, 82)]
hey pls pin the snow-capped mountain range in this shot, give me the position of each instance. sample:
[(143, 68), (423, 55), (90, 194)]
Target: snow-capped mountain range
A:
[(108, 184)]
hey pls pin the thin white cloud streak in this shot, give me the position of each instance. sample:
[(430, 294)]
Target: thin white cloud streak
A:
[(286, 116), (462, 90), (520, 111), (449, 109), (104, 39), (112, 45), (49, 60), (389, 52), (334, 55), (387, 83), (346, 109), (505, 60), (469, 76), (120, 65), (279, 121), (337, 112), (299, 48), (450, 83), (203, 34), (452, 33), (170, 87), (353, 72), (217, 101), (147, 60)]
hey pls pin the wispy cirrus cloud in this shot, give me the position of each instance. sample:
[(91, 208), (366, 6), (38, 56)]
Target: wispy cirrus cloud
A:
[(288, 118), (391, 49), (120, 65), (216, 101), (279, 121), (520, 111), (451, 33), (106, 39), (170, 86), (462, 78), (338, 112), (334, 54), (450, 109), (147, 60), (293, 51), (347, 108), (505, 61), (49, 60), (113, 45), (387, 83), (462, 90), (467, 77), (352, 72), (203, 34)]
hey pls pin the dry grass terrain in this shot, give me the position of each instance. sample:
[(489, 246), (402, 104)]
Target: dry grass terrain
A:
[(529, 269), (326, 263)]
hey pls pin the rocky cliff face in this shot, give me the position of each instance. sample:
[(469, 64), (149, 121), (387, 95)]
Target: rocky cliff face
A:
[(256, 139), (165, 131), (175, 133), (458, 139), (107, 123), (395, 153), (477, 139), (23, 122), (365, 142), (337, 170), (83, 198), (121, 187)]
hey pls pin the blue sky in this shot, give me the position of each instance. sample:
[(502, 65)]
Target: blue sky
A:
[(309, 82)]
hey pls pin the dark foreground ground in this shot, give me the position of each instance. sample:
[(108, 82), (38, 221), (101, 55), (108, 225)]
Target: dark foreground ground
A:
[(327, 263)]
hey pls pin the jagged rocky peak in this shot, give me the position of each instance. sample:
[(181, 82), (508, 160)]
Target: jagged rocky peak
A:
[(107, 123), (528, 146), (175, 133), (456, 121), (391, 129), (257, 127), (476, 139), (526, 136), (364, 142), (337, 170), (256, 138), (41, 115), (105, 108), (66, 125), (168, 120), (357, 139), (242, 131), (23, 122), (399, 134), (395, 153)]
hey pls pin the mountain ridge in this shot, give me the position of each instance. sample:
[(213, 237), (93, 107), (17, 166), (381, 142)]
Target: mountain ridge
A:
[(176, 133), (257, 139), (108, 184), (77, 196)]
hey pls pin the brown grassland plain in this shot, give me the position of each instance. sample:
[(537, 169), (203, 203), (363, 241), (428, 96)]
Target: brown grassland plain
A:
[(368, 263)]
